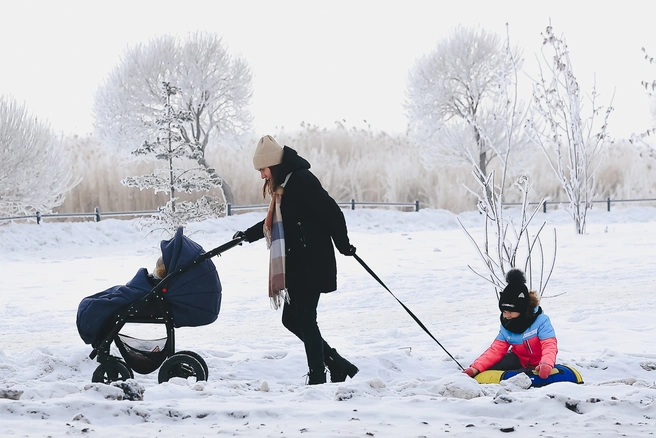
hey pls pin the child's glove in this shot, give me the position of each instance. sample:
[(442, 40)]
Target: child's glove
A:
[(471, 372), (543, 370)]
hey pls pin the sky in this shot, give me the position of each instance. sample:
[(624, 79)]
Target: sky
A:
[(314, 61), (599, 301)]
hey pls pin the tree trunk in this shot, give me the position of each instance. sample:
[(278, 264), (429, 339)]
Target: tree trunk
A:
[(225, 187), (227, 192), (482, 161)]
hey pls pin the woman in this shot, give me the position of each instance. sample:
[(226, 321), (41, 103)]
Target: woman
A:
[(301, 225)]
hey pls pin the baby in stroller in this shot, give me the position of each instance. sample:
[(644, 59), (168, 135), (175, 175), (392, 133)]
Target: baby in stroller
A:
[(183, 290), (160, 270)]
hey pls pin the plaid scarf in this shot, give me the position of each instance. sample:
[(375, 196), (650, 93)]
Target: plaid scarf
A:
[(275, 238)]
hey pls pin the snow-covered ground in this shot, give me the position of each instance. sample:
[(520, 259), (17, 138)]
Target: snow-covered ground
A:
[(600, 300)]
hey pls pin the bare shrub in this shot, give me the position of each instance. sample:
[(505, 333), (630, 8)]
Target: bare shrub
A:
[(571, 130)]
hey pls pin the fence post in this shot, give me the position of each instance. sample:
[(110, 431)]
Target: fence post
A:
[(38, 218), (608, 203), (417, 205), (229, 209), (97, 213), (352, 204), (544, 207)]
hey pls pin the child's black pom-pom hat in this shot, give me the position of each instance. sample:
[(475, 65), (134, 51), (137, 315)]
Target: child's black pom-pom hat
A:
[(514, 297)]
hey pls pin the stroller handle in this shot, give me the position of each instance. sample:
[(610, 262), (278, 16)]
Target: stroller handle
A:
[(201, 258), (220, 249)]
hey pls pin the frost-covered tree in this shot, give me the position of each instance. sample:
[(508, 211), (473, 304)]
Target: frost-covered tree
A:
[(457, 102), (507, 242), (35, 171), (215, 89), (574, 143), (170, 146)]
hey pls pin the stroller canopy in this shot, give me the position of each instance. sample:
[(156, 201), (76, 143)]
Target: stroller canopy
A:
[(195, 294)]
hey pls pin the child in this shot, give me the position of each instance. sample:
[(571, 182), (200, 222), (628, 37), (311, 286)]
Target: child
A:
[(526, 339)]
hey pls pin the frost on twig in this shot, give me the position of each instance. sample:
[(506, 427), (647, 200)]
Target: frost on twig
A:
[(644, 140), (507, 244), (574, 145)]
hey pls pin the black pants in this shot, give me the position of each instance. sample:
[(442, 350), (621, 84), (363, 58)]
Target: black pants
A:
[(508, 362), (299, 316)]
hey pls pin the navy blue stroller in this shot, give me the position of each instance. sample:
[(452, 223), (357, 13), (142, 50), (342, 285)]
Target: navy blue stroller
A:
[(188, 296)]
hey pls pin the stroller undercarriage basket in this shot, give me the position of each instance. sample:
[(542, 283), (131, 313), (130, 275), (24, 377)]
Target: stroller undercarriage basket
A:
[(188, 296), (141, 355)]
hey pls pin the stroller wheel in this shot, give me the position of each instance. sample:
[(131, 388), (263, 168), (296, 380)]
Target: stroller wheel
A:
[(199, 358), (111, 370), (181, 365)]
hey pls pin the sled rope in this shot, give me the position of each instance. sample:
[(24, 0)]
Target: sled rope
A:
[(368, 269)]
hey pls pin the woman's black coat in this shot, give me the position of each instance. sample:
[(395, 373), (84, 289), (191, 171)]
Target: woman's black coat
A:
[(310, 218)]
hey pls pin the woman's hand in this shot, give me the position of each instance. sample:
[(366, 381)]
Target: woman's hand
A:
[(350, 251), (239, 235)]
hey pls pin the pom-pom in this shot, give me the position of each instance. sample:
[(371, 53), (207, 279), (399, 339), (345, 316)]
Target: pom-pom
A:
[(515, 276)]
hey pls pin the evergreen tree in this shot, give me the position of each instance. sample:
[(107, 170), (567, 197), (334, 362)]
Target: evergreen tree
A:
[(181, 173)]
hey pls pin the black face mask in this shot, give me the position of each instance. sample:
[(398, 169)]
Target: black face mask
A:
[(521, 323)]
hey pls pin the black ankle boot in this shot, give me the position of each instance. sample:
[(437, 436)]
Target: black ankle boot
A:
[(339, 367), (316, 377)]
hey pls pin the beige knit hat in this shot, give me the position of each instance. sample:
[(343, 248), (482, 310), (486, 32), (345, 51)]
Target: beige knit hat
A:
[(267, 153)]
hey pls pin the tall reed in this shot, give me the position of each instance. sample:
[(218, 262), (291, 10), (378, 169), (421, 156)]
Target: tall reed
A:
[(352, 163)]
